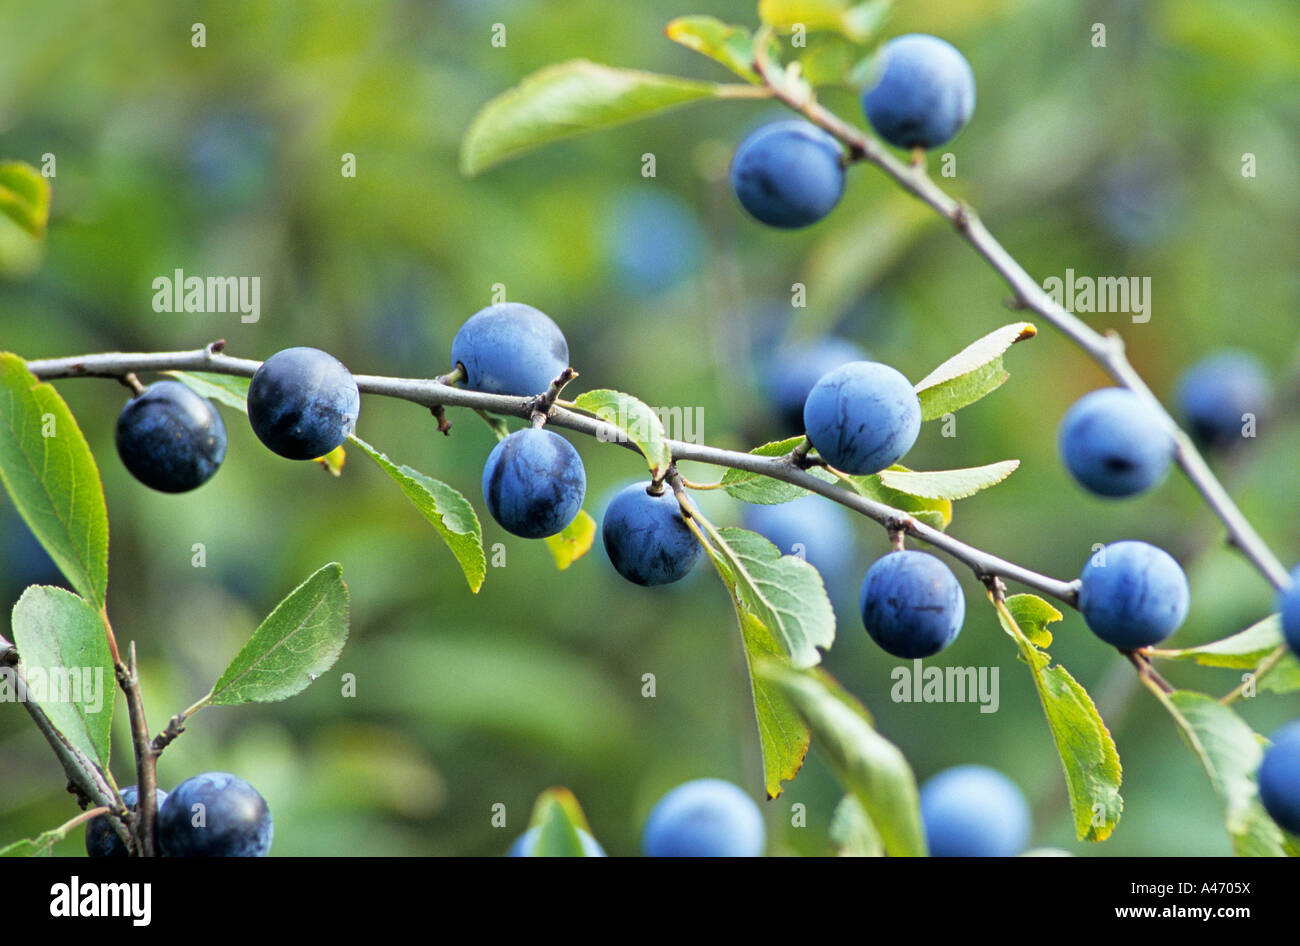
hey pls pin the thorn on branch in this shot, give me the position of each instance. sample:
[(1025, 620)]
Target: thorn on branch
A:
[(962, 218), (542, 403), (175, 726), (444, 425), (215, 348)]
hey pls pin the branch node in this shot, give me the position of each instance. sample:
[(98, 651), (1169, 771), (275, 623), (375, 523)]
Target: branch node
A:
[(799, 457), (962, 218)]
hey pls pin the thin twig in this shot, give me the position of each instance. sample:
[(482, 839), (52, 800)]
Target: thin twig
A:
[(146, 769)]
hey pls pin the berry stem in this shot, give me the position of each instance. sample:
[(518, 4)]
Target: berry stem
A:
[(1148, 674)]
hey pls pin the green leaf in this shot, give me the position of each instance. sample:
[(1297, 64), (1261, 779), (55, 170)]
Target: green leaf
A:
[(1230, 752), (828, 61), (852, 831), (298, 641), (763, 490), (223, 388), (782, 734), (559, 817), (1243, 650), (1285, 677), (50, 474), (450, 513), (948, 484), (574, 542), (1087, 751), (867, 763), (857, 21), (1033, 614), (567, 99), (63, 645), (933, 512), (733, 46), (636, 422), (25, 196), (783, 592), (970, 374)]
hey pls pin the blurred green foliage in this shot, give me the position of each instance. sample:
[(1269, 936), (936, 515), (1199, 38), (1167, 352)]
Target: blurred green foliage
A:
[(1122, 160)]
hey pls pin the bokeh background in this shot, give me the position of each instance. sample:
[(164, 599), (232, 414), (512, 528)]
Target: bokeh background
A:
[(1123, 160)]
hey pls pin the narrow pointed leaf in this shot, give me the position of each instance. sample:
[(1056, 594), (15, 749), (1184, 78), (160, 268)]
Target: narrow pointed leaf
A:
[(449, 512), (971, 373), (948, 484), (1243, 650), (782, 734), (298, 641), (567, 99), (636, 422), (1084, 744)]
